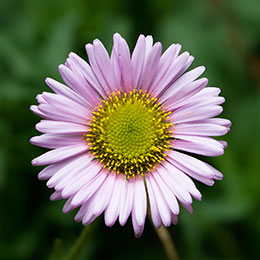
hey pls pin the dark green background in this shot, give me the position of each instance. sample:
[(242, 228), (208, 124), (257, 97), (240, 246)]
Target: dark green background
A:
[(224, 36)]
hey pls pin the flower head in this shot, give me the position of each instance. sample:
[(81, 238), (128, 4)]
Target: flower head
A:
[(116, 130)]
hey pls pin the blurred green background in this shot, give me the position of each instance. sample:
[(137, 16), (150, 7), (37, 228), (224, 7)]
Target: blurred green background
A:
[(36, 36)]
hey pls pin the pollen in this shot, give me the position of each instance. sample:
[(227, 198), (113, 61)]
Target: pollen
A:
[(129, 133)]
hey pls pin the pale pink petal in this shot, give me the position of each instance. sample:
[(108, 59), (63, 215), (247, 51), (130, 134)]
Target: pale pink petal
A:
[(104, 64), (126, 204), (112, 210), (54, 141), (167, 194), (191, 165), (165, 62), (78, 180), (179, 65), (140, 203), (77, 164), (59, 127), (96, 69), (125, 64), (103, 195), (153, 204), (165, 212), (88, 190), (177, 89), (179, 191), (56, 196), (150, 67), (87, 73), (200, 129), (138, 229), (36, 111), (115, 61), (59, 154), (62, 114), (138, 60), (197, 144), (190, 115), (63, 90)]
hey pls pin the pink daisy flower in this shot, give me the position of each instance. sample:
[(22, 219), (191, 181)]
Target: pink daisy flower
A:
[(121, 130)]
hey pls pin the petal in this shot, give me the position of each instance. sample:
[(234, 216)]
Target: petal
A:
[(138, 230), (200, 129), (193, 167), (59, 154), (153, 205), (163, 208), (167, 194), (138, 60), (54, 141), (80, 178), (176, 90), (63, 114), (77, 82), (197, 144), (87, 73), (104, 194), (165, 62), (76, 165), (113, 207), (140, 204), (190, 115), (89, 189), (125, 64), (150, 67), (104, 65), (63, 90), (93, 59), (126, 204), (58, 127)]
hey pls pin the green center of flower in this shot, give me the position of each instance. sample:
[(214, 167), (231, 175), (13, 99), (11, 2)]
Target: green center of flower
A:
[(129, 133)]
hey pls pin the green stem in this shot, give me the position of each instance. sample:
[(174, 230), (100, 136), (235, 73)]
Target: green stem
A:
[(166, 240), (80, 243)]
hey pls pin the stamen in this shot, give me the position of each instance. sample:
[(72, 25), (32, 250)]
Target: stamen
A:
[(129, 133)]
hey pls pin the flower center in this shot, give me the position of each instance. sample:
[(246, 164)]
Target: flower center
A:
[(129, 133)]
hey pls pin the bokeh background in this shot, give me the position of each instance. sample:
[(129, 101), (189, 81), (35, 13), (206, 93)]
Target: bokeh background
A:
[(223, 35)]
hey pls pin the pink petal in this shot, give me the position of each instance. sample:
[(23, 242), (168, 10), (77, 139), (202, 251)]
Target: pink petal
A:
[(113, 207), (150, 67), (125, 64), (126, 204), (167, 194), (59, 154), (199, 145), (163, 208), (104, 194), (88, 190), (140, 203), (63, 90), (190, 115), (77, 181), (138, 60), (153, 205), (76, 165), (87, 73), (200, 129), (53, 141)]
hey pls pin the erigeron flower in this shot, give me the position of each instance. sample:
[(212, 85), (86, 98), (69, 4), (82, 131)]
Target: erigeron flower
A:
[(121, 131)]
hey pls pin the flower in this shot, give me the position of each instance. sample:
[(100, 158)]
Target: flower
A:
[(118, 129)]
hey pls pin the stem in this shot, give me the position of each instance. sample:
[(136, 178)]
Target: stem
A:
[(162, 233), (166, 240), (80, 243)]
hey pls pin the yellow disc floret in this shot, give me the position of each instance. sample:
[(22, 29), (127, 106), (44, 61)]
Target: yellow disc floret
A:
[(129, 133)]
